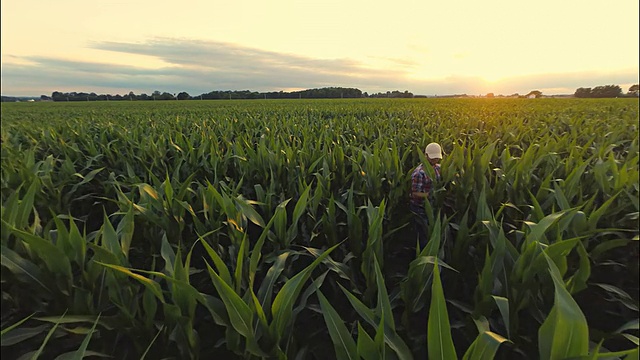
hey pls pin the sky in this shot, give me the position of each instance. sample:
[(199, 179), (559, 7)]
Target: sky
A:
[(426, 47)]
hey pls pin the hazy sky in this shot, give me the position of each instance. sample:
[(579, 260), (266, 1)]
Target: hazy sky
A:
[(426, 47)]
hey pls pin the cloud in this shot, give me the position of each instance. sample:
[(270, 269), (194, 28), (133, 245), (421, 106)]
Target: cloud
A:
[(231, 66), (198, 66), (193, 66)]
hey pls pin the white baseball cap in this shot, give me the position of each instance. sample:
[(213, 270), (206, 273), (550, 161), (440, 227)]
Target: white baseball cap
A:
[(433, 151)]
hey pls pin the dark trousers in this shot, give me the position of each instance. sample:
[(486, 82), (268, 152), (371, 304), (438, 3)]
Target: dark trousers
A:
[(421, 224)]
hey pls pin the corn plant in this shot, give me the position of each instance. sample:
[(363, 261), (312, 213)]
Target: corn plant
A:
[(227, 229)]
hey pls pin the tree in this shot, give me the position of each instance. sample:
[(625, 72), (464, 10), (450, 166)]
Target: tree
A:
[(535, 93), (167, 96), (183, 96), (490, 95), (634, 90), (582, 93), (606, 91)]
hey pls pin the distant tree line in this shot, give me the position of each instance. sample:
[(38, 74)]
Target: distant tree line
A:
[(323, 93), (391, 94), (606, 91), (17, 98)]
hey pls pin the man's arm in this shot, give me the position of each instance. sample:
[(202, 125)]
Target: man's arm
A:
[(419, 194)]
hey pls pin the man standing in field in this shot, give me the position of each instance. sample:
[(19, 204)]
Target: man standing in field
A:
[(421, 188)]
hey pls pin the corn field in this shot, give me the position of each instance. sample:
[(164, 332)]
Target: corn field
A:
[(281, 230)]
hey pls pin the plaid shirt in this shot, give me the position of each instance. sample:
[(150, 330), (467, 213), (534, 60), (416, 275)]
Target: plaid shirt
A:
[(421, 182)]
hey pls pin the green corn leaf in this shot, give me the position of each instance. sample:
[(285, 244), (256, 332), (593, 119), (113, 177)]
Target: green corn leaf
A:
[(557, 252), (82, 350), (538, 230), (366, 346), (280, 222), (110, 240), (249, 212), (433, 246), (239, 312), (168, 191), (568, 223), (257, 307), (487, 155), (561, 199), (222, 201), (439, 341), (55, 260), (149, 305), (485, 285), (310, 290), (343, 343), (379, 340), (634, 339), (606, 246), (631, 325), (481, 323), (242, 254), (151, 343), (125, 231), (26, 205), (185, 300), (595, 215), (24, 270), (108, 323), (71, 355), (503, 307), (266, 288), (573, 179), (20, 334), (62, 237), (256, 252), (614, 355), (415, 288), (283, 303), (483, 213), (218, 262), (253, 348), (299, 209), (149, 191), (578, 281), (184, 293), (338, 267), (484, 347), (383, 307), (619, 295), (77, 242), (367, 314), (565, 332), (182, 269), (46, 339), (87, 178), (10, 212), (11, 327), (169, 256), (153, 286), (216, 308)]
